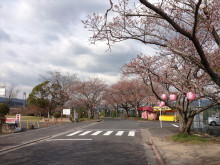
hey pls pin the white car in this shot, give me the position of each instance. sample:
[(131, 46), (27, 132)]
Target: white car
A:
[(214, 120)]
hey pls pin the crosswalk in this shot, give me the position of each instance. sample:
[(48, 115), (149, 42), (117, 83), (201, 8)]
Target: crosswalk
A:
[(130, 133)]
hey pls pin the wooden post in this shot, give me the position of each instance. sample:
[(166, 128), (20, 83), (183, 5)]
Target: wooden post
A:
[(27, 124)]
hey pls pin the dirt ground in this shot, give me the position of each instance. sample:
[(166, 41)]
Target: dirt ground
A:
[(176, 153)]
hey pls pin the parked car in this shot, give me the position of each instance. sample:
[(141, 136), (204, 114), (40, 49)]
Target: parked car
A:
[(214, 120)]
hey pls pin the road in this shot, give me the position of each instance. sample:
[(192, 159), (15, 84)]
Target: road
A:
[(112, 141)]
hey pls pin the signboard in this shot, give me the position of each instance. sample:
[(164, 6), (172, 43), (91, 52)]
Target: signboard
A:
[(145, 109), (164, 109), (66, 111), (10, 120), (18, 118), (2, 90)]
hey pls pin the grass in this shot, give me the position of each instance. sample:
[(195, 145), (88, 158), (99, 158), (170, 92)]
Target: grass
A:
[(194, 139), (26, 118)]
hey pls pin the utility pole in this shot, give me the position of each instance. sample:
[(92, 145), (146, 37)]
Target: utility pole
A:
[(24, 99)]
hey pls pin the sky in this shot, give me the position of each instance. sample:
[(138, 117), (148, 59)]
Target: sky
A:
[(47, 35)]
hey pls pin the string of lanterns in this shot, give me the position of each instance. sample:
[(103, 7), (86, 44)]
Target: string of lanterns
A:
[(190, 96)]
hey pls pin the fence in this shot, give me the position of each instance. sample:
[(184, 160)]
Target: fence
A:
[(201, 124)]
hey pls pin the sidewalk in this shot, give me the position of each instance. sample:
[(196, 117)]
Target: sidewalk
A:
[(176, 153)]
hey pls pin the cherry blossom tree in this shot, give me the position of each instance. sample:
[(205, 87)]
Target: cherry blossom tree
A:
[(127, 94), (189, 29), (88, 94), (174, 75)]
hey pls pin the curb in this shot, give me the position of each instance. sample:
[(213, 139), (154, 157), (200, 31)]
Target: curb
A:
[(155, 148)]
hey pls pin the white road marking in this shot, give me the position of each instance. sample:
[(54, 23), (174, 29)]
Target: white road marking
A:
[(119, 133), (66, 139), (96, 133), (74, 133), (175, 125), (131, 133), (85, 133), (108, 133)]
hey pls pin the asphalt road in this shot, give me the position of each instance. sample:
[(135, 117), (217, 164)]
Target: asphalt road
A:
[(112, 141)]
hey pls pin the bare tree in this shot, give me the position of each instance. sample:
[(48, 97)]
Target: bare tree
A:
[(10, 93)]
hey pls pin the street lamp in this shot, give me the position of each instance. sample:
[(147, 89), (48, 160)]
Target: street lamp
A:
[(162, 103)]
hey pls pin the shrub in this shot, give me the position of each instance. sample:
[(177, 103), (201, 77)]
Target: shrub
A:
[(114, 113), (30, 114), (102, 113), (56, 114), (4, 109)]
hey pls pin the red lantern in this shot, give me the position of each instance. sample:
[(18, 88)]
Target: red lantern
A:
[(191, 96), (172, 97), (164, 96)]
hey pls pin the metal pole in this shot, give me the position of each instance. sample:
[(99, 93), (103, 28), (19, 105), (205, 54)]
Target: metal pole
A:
[(24, 99), (160, 119)]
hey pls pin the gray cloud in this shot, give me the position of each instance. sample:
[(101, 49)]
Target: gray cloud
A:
[(39, 36), (4, 36)]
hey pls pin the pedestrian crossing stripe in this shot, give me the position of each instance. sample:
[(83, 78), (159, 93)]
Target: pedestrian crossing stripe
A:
[(131, 133), (85, 133), (74, 133), (96, 133), (107, 133), (119, 133)]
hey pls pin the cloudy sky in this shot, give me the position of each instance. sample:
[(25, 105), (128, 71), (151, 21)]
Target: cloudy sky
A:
[(47, 35)]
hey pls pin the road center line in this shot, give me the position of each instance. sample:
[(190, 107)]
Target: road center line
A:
[(66, 139)]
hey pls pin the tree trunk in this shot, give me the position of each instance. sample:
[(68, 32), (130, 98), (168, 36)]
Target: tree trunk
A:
[(185, 124), (126, 112), (48, 114), (91, 114), (137, 114)]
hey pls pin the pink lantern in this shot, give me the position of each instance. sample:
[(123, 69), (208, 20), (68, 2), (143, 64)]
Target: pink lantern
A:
[(162, 103), (190, 96), (164, 96), (172, 97)]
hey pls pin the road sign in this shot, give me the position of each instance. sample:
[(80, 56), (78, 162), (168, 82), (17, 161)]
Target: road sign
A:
[(66, 111), (18, 118)]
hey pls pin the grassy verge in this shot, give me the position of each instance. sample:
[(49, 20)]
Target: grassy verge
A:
[(87, 119), (27, 118), (194, 139)]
